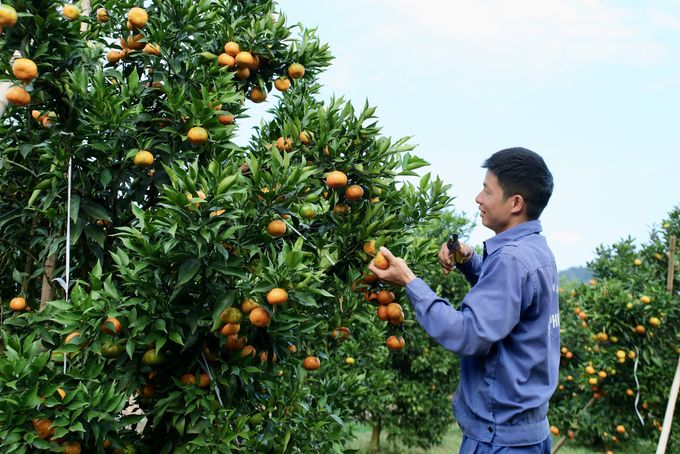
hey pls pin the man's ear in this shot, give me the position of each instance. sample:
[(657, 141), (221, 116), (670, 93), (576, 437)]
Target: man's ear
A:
[(518, 204)]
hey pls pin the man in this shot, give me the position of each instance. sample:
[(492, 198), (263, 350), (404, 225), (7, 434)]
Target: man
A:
[(507, 328)]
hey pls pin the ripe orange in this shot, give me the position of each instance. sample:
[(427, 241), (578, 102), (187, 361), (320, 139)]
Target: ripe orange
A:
[(8, 16), (248, 305), (264, 356), (311, 363), (203, 380), (296, 71), (188, 379), (242, 73), (143, 158), (655, 322), (113, 56), (282, 84), (17, 96), (259, 317), (152, 49), (18, 304), (336, 179), (230, 328), (385, 297), (340, 333), (244, 59), (197, 135), (621, 429), (306, 137), (137, 17), (234, 342), (554, 430), (341, 209), (394, 310), (395, 343), (369, 247), (43, 426), (134, 42), (284, 143), (247, 350), (645, 299), (226, 119), (62, 393), (639, 329), (277, 296), (582, 315), (382, 313), (232, 49), (257, 95), (276, 228), (73, 338), (354, 193), (112, 326), (292, 348), (71, 447), (71, 12), (102, 15), (380, 261), (226, 60), (349, 361)]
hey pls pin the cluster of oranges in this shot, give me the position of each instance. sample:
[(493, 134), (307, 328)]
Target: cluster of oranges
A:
[(137, 19)]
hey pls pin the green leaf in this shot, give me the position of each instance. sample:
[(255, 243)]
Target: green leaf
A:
[(187, 271)]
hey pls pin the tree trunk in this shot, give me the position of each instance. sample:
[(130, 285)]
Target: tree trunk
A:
[(374, 445), (47, 293)]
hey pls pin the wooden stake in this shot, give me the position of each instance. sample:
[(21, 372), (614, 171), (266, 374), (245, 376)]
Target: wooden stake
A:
[(673, 396)]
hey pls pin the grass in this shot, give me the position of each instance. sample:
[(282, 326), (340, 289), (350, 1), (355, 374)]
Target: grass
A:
[(452, 441)]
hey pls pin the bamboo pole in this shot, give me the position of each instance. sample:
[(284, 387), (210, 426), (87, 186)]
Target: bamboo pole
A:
[(675, 386)]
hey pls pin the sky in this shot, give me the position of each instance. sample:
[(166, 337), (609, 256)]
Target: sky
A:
[(591, 85)]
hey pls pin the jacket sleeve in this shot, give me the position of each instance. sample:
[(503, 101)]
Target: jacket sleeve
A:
[(471, 268), (489, 311)]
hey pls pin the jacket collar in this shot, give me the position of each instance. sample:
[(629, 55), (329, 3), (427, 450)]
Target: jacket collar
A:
[(512, 234)]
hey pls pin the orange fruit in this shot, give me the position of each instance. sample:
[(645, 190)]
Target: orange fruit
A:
[(276, 228), (112, 326), (394, 310), (554, 430), (382, 313), (231, 315), (336, 179), (151, 358), (282, 84), (349, 361), (73, 338), (43, 426), (369, 247), (102, 15), (264, 357), (630, 392), (143, 158), (354, 193), (621, 429), (582, 315), (311, 363), (247, 350), (113, 56), (226, 119), (230, 328), (234, 342), (244, 59), (61, 393), (645, 299), (306, 137), (111, 350), (395, 343), (284, 143), (188, 379), (292, 348), (248, 305), (257, 95), (307, 211), (277, 296), (135, 42), (259, 317), (385, 297), (296, 71), (8, 16), (17, 96), (232, 49), (152, 49), (204, 380), (341, 333), (197, 135), (71, 447), (137, 17), (341, 209), (242, 73), (655, 322), (227, 60), (380, 261), (639, 329), (71, 12), (18, 304)]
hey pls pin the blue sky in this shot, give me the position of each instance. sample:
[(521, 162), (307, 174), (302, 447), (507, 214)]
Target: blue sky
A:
[(591, 85)]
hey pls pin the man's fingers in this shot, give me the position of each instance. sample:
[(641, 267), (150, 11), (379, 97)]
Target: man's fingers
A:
[(387, 253)]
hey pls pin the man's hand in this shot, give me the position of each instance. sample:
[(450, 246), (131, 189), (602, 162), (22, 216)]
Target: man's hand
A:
[(398, 273), (446, 260)]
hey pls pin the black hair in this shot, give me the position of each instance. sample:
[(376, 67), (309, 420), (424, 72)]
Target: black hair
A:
[(521, 171)]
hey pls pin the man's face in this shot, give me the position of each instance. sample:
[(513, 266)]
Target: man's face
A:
[(495, 210)]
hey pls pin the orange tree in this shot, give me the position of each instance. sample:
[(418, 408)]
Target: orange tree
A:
[(620, 345), (398, 381), (206, 274)]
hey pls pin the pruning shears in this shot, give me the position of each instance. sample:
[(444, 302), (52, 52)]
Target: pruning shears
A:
[(453, 246)]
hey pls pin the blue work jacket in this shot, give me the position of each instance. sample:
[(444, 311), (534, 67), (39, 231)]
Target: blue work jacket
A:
[(507, 333)]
